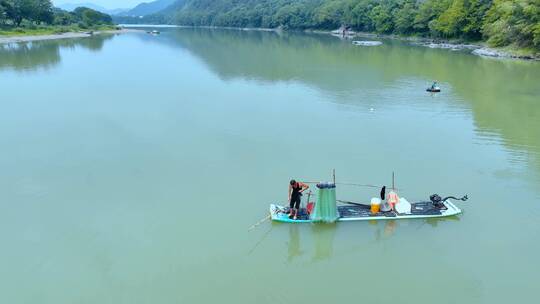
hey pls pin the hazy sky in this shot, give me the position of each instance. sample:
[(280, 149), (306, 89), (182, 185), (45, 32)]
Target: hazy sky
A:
[(110, 4)]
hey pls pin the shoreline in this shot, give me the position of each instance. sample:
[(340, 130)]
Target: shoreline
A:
[(67, 35), (477, 48), (261, 29)]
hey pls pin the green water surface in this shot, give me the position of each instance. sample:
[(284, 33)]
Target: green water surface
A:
[(132, 166)]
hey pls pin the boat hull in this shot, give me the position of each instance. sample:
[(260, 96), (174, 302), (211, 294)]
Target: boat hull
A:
[(420, 210)]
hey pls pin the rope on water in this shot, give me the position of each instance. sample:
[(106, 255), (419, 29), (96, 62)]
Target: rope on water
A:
[(259, 222)]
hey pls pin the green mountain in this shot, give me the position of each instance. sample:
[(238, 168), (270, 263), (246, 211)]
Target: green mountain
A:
[(148, 8), (72, 6)]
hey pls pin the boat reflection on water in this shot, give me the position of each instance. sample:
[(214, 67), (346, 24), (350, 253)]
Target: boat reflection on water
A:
[(386, 231), (433, 222), (323, 241), (322, 236), (294, 249), (389, 228)]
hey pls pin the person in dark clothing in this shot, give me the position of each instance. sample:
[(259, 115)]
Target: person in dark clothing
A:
[(295, 196)]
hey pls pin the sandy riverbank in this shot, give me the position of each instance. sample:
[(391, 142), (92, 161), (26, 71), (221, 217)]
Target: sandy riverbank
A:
[(29, 38)]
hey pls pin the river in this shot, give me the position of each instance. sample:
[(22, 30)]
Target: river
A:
[(133, 165)]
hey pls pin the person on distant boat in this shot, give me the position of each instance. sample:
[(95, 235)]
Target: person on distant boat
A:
[(295, 196), (434, 85)]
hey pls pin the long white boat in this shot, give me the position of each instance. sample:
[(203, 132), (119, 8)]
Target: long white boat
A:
[(359, 212)]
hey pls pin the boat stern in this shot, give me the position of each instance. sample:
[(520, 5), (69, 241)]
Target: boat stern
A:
[(452, 209)]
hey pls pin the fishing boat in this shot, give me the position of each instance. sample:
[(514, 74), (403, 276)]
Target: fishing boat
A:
[(363, 213), (367, 43), (343, 32), (434, 89), (327, 210)]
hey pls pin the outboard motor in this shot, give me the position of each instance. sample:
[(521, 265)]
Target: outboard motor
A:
[(438, 202)]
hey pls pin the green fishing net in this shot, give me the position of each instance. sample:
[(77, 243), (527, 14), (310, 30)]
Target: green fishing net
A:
[(325, 209)]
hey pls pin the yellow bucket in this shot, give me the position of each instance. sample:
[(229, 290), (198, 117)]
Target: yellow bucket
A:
[(375, 205)]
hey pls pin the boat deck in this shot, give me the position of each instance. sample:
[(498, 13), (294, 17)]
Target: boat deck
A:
[(363, 212)]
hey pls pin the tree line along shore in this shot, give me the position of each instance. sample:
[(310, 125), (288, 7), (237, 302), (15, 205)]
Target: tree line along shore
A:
[(512, 24), (40, 17)]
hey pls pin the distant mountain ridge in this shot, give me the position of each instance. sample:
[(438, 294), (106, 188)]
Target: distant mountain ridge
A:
[(72, 6), (148, 8)]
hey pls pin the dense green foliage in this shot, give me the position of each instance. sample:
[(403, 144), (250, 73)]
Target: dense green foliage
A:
[(83, 16), (36, 12), (512, 21), (501, 22), (15, 11)]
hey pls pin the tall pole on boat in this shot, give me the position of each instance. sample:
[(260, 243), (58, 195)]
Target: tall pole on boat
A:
[(334, 175), (393, 188)]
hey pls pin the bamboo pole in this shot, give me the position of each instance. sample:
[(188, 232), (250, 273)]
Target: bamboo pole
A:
[(352, 184)]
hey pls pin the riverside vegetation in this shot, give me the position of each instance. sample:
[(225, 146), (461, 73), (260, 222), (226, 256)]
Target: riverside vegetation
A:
[(30, 17), (514, 24)]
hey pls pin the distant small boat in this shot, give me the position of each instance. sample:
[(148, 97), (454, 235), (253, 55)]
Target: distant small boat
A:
[(344, 32), (154, 32), (433, 90), (366, 43)]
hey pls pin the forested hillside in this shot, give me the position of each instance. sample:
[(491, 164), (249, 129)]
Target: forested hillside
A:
[(40, 17), (501, 22)]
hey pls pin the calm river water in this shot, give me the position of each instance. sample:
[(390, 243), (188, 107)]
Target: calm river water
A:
[(132, 166)]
